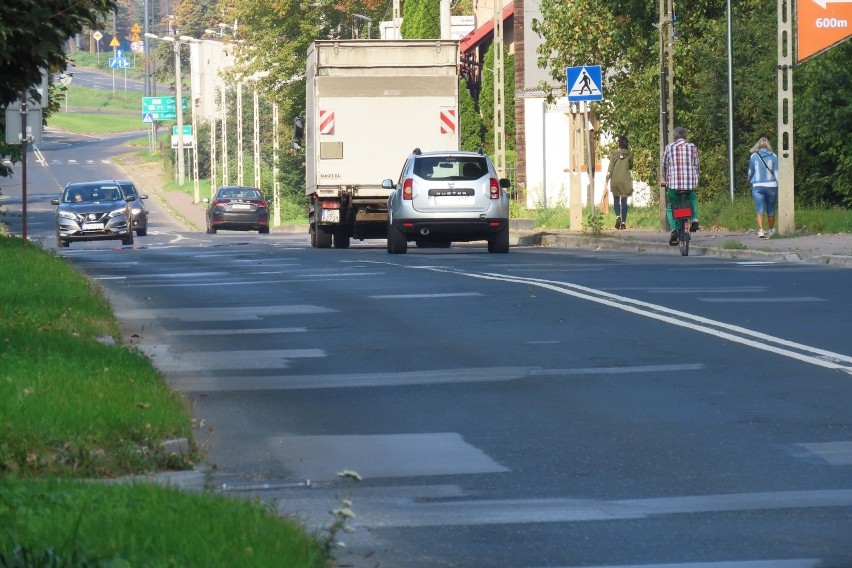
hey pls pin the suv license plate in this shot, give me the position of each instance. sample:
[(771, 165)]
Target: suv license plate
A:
[(455, 200), (93, 226)]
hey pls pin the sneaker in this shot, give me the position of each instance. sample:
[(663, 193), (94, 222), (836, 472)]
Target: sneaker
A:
[(623, 226), (618, 222), (771, 232), (673, 238), (693, 227), (761, 234)]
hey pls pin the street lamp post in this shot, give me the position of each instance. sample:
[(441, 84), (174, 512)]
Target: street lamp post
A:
[(181, 174)]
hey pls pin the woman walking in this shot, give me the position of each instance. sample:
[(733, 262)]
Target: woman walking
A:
[(763, 175), (620, 180)]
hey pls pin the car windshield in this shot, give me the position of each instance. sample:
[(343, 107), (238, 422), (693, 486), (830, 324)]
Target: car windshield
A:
[(450, 167), (239, 193), (129, 192), (91, 194)]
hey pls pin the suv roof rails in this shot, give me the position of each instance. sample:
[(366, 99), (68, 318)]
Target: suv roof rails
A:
[(480, 151), (417, 151)]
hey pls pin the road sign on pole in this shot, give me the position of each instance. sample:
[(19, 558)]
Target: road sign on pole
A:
[(821, 25), (584, 83)]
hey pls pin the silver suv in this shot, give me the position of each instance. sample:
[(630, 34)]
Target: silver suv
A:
[(446, 197)]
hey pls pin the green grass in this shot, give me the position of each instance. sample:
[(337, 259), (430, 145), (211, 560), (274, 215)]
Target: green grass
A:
[(64, 390), (95, 123), (84, 99), (141, 524), (76, 406)]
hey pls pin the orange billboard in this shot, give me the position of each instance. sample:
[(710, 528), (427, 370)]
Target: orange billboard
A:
[(822, 24)]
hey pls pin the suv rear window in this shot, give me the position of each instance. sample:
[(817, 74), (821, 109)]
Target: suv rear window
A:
[(450, 167)]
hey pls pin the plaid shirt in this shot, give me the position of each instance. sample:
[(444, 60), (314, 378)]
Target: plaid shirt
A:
[(680, 165)]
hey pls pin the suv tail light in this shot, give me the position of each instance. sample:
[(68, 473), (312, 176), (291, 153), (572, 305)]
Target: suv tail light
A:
[(407, 189), (494, 192)]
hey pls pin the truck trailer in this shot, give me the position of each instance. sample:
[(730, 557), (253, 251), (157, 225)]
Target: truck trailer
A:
[(368, 104)]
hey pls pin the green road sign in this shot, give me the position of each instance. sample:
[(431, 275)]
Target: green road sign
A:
[(161, 104), (187, 130)]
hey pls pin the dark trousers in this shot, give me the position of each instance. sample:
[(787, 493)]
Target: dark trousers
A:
[(619, 205)]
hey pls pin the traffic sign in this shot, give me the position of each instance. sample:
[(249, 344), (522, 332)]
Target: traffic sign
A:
[(187, 130), (584, 83), (158, 115), (161, 104), (135, 29), (821, 25), (97, 36), (119, 63), (114, 42)]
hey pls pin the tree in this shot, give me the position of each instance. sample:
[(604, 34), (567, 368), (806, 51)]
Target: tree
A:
[(470, 126), (421, 19), (32, 34), (623, 39), (486, 99)]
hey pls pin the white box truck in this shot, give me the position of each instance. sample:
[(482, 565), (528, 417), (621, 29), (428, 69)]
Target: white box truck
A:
[(369, 103)]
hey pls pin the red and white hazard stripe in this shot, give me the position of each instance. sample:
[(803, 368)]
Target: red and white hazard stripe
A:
[(448, 121), (326, 121)]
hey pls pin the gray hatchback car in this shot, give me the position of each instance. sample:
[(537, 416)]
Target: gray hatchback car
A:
[(446, 197)]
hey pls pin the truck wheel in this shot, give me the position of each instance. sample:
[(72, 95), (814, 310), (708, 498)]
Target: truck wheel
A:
[(499, 242), (341, 241), (323, 238), (396, 240), (312, 232)]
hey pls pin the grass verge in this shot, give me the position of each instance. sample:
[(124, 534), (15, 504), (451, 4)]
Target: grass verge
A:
[(77, 406)]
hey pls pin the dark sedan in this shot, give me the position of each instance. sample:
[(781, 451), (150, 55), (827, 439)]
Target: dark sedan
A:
[(92, 211), (237, 208), (137, 209)]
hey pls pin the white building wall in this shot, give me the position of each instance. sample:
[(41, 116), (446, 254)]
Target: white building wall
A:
[(548, 151)]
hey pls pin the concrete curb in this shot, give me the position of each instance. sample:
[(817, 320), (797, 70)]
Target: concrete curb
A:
[(661, 246)]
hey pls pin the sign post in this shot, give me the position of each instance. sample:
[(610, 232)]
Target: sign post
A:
[(584, 85)]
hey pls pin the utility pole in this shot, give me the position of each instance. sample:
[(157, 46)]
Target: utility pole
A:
[(397, 19), (499, 101), (666, 95), (786, 173), (179, 112)]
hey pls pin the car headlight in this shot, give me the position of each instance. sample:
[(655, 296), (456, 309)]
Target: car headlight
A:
[(67, 215), (117, 212), (136, 210)]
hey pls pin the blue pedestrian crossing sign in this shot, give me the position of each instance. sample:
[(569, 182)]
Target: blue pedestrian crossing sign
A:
[(147, 118), (584, 83)]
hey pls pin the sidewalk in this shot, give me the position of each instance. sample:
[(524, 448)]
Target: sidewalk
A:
[(833, 249)]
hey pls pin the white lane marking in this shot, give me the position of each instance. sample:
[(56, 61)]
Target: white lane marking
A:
[(834, 453), (772, 300), (407, 296), (225, 360), (789, 563), (39, 156), (258, 330), (397, 379), (222, 314), (381, 455), (109, 278), (409, 513), (758, 340)]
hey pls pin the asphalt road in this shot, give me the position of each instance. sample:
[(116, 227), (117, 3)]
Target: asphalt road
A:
[(547, 407)]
